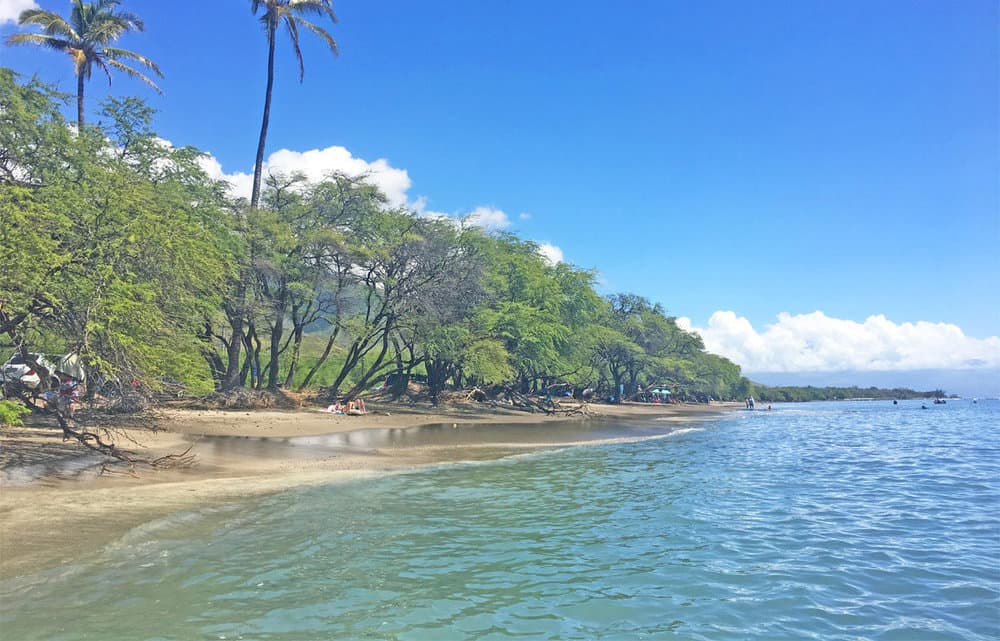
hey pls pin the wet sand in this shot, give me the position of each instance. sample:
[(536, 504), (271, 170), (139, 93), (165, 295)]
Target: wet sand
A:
[(54, 509)]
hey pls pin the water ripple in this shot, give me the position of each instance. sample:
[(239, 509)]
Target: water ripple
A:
[(832, 522)]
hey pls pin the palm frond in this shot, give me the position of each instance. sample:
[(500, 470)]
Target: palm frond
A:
[(293, 34), (51, 42), (98, 6), (102, 65), (79, 15), (52, 23), (104, 31), (113, 53), (322, 33), (133, 73), (313, 7), (133, 21)]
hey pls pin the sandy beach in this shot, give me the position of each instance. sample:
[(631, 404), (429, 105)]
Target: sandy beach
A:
[(55, 509)]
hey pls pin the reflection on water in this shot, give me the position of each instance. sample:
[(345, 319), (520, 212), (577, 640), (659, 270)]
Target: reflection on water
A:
[(441, 436)]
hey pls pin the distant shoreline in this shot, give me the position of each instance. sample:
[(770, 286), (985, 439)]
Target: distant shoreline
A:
[(50, 521), (804, 393)]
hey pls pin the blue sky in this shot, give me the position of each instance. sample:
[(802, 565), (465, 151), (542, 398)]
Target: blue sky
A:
[(759, 158)]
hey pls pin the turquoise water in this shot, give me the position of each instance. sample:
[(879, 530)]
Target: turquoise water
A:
[(818, 521)]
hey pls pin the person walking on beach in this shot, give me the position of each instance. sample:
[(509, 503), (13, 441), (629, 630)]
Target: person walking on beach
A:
[(750, 401)]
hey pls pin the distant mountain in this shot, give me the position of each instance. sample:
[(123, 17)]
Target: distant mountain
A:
[(964, 382)]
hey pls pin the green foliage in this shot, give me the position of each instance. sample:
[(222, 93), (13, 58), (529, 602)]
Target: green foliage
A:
[(120, 247), (12, 413), (487, 360), (118, 250)]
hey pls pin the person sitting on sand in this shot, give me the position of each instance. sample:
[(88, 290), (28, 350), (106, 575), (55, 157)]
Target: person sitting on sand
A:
[(356, 408), (335, 408)]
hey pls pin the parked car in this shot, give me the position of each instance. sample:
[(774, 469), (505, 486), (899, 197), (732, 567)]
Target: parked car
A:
[(16, 373), (17, 376)]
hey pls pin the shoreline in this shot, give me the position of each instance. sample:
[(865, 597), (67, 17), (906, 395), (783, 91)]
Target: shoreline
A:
[(49, 521)]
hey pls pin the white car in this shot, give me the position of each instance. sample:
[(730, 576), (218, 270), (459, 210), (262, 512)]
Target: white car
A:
[(15, 372)]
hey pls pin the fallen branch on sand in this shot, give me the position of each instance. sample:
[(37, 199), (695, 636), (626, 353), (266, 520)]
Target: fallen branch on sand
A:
[(509, 397), (582, 409), (101, 441)]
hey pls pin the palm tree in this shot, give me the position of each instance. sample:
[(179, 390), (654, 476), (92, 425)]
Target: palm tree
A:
[(275, 14), (288, 13), (85, 37)]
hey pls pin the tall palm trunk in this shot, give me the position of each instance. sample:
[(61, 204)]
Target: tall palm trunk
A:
[(235, 375), (79, 102), (258, 167)]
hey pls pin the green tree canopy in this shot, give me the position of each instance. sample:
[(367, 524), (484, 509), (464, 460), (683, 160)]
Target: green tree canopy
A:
[(114, 245)]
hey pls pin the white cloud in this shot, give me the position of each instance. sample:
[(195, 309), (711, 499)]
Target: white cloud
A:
[(240, 184), (550, 253), (488, 218), (11, 9), (395, 183), (524, 215), (316, 164), (818, 343)]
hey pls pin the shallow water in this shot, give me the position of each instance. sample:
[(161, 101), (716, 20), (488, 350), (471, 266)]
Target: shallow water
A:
[(447, 436), (818, 521)]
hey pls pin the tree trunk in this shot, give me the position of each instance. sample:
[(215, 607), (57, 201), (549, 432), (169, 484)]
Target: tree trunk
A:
[(322, 359), (366, 377), (617, 376), (437, 374), (79, 103), (354, 355), (215, 364), (293, 367), (255, 368), (401, 380), (232, 379), (277, 331), (258, 167), (251, 364), (361, 346)]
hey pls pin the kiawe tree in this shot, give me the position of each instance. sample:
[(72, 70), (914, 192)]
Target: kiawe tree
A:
[(287, 13), (85, 37)]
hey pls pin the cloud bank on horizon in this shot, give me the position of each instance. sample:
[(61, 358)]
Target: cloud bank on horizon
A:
[(818, 343), (394, 182)]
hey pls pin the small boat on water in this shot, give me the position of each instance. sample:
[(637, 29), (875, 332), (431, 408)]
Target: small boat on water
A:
[(940, 401)]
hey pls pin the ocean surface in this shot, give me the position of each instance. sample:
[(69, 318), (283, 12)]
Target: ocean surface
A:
[(853, 520)]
